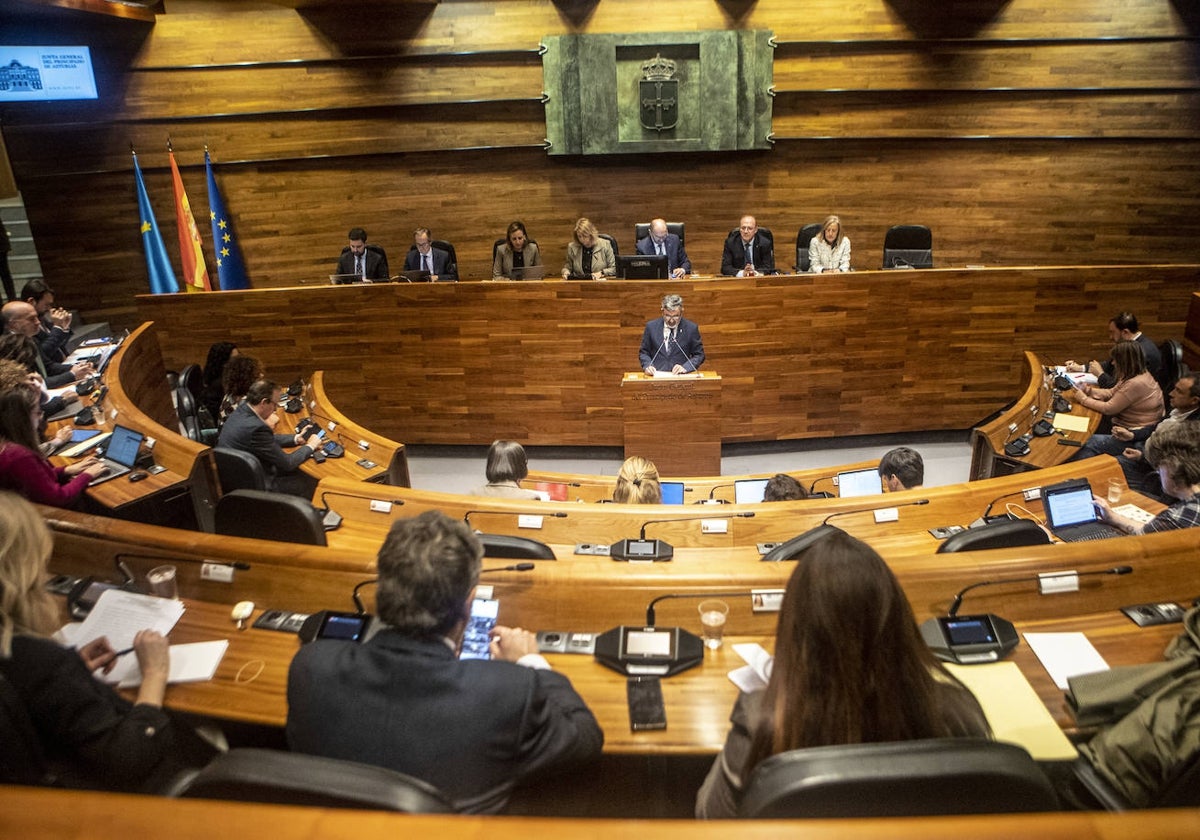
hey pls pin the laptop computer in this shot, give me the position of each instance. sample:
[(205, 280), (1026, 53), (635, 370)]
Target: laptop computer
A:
[(1071, 513), (859, 483), (416, 275), (344, 279), (529, 272), (749, 491), (120, 454), (672, 492)]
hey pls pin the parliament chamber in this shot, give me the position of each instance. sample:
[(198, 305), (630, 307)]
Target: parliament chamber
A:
[(1059, 191)]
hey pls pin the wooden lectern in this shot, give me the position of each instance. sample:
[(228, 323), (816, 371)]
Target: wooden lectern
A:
[(674, 421)]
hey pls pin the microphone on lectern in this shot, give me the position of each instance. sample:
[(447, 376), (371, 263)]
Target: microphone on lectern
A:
[(515, 567), (1047, 577), (656, 551), (838, 513), (555, 514)]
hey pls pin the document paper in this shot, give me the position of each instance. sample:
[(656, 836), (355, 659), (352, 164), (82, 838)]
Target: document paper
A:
[(1065, 655)]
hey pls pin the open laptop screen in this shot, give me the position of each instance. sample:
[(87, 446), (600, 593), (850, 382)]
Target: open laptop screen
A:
[(1069, 505), (749, 491), (859, 483), (123, 446), (672, 492)]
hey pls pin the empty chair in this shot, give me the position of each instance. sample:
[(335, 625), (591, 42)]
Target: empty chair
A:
[(803, 238), (238, 470), (285, 778), (1172, 367), (905, 778), (269, 516), (1003, 533), (908, 246), (642, 229), (192, 378)]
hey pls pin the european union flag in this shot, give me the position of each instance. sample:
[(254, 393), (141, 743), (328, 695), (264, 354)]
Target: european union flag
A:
[(231, 270), (162, 276)]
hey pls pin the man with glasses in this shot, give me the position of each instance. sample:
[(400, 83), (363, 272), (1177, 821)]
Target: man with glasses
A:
[(668, 245), (427, 258), (22, 319), (748, 252), (671, 343)]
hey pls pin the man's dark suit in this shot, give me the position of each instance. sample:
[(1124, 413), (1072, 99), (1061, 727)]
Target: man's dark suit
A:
[(474, 729), (684, 347), (376, 264), (734, 258), (1153, 362), (439, 258), (246, 431), (673, 246)]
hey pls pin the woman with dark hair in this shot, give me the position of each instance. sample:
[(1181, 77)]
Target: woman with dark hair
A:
[(24, 468), (517, 251), (240, 373), (213, 389), (850, 667), (1135, 401), (506, 469), (88, 734)]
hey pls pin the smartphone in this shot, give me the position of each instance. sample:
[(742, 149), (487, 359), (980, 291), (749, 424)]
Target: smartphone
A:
[(478, 635), (646, 710)]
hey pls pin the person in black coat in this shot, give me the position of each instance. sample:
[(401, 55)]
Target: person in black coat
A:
[(748, 252), (249, 428)]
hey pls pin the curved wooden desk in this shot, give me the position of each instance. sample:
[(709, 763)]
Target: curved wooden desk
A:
[(389, 457)]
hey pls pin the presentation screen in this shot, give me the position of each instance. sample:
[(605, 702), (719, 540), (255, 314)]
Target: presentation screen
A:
[(46, 74)]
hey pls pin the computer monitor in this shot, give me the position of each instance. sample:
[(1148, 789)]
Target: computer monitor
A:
[(344, 279), (908, 258), (749, 491), (859, 483), (672, 492), (642, 267)]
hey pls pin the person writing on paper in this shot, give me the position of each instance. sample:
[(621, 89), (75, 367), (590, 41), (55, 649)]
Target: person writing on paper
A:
[(638, 483), (1174, 450), (830, 249), (671, 342), (850, 667), (665, 244), (517, 251), (24, 468), (1133, 402), (589, 254), (87, 735)]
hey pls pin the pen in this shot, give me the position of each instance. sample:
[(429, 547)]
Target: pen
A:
[(122, 652)]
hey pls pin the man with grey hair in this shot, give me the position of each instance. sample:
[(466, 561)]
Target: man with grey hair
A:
[(671, 343), (668, 245), (474, 729)]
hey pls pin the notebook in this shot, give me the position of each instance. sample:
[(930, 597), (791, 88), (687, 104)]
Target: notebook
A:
[(859, 483), (1071, 513), (120, 454), (749, 491)]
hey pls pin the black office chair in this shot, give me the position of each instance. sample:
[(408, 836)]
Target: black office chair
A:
[(803, 239), (612, 240), (378, 249), (192, 378), (791, 549), (1003, 533), (185, 409), (238, 470), (452, 266), (1180, 790), (908, 246), (642, 229), (897, 779), (503, 546), (269, 516), (22, 761), (285, 778), (1172, 366)]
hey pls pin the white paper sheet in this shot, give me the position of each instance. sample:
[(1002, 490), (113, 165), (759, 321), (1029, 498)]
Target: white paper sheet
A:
[(1065, 655), (195, 662), (120, 615)]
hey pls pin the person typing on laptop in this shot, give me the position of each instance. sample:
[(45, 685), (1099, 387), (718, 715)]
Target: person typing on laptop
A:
[(24, 468), (1174, 450)]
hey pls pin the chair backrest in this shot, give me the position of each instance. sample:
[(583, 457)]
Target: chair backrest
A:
[(21, 759), (906, 778), (238, 470), (503, 546), (612, 240), (192, 378), (642, 229), (803, 238), (286, 778), (908, 238), (269, 516), (1003, 533), (378, 249), (1172, 365)]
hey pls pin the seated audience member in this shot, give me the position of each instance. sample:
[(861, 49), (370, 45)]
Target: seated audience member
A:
[(1122, 327), (1174, 450), (55, 331), (20, 351), (14, 376), (1139, 475), (1133, 402), (850, 667), (638, 483), (240, 373), (588, 254), (517, 252), (668, 245), (671, 342), (473, 728), (90, 736), (901, 469), (829, 250), (21, 319), (250, 428), (748, 253), (784, 488), (24, 468), (213, 391), (427, 258), (361, 261), (506, 469)]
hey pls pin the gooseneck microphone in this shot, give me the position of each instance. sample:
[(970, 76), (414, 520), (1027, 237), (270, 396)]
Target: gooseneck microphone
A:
[(650, 607), (838, 513), (467, 515), (515, 567), (715, 488), (957, 602), (657, 551), (358, 604), (988, 510), (642, 532)]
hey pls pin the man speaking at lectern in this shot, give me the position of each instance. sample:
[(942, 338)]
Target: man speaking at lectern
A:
[(671, 343)]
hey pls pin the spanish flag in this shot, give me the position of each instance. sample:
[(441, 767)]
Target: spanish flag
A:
[(195, 273)]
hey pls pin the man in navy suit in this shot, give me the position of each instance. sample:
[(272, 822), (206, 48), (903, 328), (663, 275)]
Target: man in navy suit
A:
[(403, 699), (427, 258), (250, 428), (359, 260), (668, 244), (671, 342), (748, 252)]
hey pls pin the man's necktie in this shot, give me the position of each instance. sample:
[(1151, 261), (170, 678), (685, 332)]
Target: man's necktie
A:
[(358, 265), (425, 260), (662, 249)]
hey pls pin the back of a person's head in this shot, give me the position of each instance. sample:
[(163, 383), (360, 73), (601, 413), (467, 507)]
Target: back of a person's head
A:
[(25, 543), (12, 375), (16, 425), (850, 664), (428, 566), (263, 390), (904, 463), (506, 461), (1129, 359), (1125, 321), (783, 488), (638, 483), (218, 356), (1176, 447), (240, 373), (20, 349)]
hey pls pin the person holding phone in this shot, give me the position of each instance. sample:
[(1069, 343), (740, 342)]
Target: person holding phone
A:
[(473, 728)]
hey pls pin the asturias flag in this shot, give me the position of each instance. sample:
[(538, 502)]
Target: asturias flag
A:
[(230, 268), (195, 273), (162, 276)]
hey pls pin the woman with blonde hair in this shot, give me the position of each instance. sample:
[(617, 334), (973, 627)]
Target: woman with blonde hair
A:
[(829, 250), (89, 735), (589, 254), (638, 483)]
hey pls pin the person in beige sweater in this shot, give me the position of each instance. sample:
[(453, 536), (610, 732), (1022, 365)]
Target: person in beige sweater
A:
[(1135, 400)]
